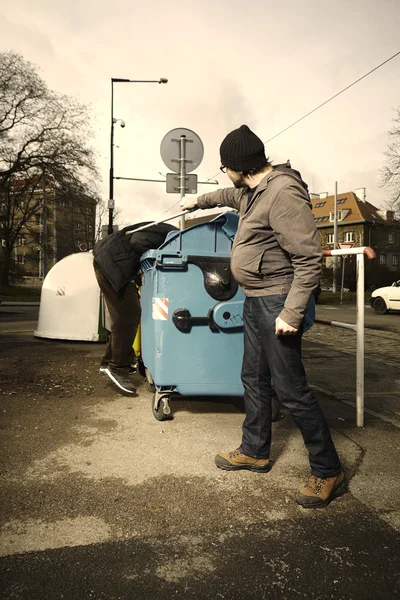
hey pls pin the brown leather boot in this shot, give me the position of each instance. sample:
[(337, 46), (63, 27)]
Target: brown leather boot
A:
[(319, 492), (235, 460)]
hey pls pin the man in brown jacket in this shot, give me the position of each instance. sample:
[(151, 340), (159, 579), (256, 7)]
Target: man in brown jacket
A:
[(276, 259)]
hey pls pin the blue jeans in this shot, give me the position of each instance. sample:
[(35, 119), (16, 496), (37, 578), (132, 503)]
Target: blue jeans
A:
[(267, 356)]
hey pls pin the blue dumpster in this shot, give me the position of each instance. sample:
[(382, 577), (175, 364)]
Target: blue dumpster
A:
[(192, 315)]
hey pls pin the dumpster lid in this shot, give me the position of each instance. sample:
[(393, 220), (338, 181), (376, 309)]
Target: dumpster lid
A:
[(195, 240), (230, 222)]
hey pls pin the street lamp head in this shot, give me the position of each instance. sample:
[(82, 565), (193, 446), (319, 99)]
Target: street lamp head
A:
[(120, 121), (163, 80)]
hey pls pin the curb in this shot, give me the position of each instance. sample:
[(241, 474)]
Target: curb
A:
[(381, 328), (332, 396), (6, 303)]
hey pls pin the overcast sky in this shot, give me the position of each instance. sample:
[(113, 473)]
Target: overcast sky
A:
[(228, 63)]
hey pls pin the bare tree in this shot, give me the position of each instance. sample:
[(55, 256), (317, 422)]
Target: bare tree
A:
[(390, 174), (40, 132)]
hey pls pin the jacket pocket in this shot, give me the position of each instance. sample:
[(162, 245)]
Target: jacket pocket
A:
[(253, 266), (260, 261), (264, 268), (274, 262)]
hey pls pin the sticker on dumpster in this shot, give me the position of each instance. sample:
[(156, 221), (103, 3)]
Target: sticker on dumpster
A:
[(160, 309)]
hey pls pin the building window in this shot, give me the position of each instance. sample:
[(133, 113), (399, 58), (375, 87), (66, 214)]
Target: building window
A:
[(395, 260), (330, 238), (37, 219), (391, 238), (349, 236), (21, 241), (382, 259), (78, 226), (319, 204), (20, 259), (341, 201), (332, 216), (3, 243)]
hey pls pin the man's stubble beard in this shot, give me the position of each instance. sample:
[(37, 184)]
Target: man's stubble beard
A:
[(239, 183)]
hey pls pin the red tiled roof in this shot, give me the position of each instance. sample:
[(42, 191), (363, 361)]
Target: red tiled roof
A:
[(358, 210)]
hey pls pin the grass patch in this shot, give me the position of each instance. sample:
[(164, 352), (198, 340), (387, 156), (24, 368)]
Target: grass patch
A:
[(13, 293), (335, 298)]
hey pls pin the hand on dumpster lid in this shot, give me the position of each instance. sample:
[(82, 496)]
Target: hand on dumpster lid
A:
[(189, 204)]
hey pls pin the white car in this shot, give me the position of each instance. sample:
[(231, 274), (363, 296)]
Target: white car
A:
[(386, 298)]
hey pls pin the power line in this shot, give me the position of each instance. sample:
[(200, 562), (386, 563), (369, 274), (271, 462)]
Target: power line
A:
[(170, 208), (335, 96)]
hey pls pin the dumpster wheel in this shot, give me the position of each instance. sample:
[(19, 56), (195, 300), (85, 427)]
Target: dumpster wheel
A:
[(160, 406)]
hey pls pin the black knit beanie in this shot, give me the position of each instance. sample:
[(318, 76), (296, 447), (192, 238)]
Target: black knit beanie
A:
[(242, 150)]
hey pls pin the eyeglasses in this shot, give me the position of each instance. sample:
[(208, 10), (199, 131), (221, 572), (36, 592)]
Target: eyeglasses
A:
[(223, 169)]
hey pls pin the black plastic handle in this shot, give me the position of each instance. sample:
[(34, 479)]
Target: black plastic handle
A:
[(172, 266), (183, 320)]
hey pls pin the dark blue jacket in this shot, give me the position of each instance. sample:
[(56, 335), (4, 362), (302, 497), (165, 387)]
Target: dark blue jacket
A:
[(118, 255)]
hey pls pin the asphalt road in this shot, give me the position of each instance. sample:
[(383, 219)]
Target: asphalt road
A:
[(348, 314), (102, 502), (18, 318)]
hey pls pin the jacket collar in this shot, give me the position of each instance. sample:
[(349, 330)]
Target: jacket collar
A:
[(276, 172)]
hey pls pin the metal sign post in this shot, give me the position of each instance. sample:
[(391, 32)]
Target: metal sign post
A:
[(182, 173), (335, 238), (341, 289), (359, 327), (182, 151), (343, 246)]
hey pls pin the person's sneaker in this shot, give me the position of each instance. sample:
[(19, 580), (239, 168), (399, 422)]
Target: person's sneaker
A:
[(319, 492), (103, 366), (235, 460), (120, 379)]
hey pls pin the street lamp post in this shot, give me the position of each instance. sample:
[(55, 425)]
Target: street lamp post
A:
[(111, 202)]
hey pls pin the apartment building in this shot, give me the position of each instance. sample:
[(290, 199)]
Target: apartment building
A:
[(360, 223), (61, 225)]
